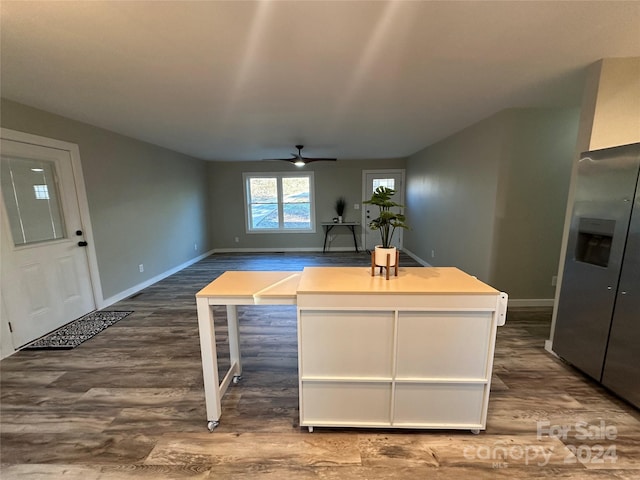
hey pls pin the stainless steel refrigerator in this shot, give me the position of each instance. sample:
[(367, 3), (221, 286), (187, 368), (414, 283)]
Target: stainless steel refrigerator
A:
[(598, 318)]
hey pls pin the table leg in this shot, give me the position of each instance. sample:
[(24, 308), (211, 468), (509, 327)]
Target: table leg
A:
[(327, 229), (209, 359), (353, 232), (234, 338)]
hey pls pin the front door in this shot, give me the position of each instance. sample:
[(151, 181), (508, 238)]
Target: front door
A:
[(372, 180), (45, 271)]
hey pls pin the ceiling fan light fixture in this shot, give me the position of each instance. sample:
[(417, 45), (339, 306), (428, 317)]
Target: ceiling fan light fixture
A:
[(299, 160)]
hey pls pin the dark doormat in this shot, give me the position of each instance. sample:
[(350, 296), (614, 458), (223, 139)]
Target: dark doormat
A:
[(73, 334)]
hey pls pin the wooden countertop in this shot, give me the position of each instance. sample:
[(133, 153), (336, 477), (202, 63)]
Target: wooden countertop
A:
[(410, 280), (244, 284), (267, 285)]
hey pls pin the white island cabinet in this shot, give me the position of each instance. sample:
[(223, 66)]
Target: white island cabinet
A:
[(414, 351)]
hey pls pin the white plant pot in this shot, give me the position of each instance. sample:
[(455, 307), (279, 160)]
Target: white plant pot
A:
[(381, 256), (339, 218)]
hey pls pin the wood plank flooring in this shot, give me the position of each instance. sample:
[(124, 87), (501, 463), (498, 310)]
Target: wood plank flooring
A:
[(129, 404)]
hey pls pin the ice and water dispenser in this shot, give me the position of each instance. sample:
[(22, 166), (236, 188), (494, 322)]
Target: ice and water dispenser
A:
[(593, 244)]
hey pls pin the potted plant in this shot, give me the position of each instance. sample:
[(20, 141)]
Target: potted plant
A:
[(341, 203), (387, 222)]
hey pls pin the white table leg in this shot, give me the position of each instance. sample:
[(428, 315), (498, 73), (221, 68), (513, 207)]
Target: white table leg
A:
[(209, 359), (234, 338)]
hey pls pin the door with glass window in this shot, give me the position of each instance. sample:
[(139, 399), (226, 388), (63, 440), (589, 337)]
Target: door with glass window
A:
[(380, 178), (45, 271)]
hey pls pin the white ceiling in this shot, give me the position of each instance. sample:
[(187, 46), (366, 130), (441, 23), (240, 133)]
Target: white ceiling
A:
[(358, 79)]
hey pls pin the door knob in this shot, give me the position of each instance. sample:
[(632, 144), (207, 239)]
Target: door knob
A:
[(82, 244), (78, 232)]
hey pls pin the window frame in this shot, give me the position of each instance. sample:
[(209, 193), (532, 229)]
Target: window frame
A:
[(247, 176)]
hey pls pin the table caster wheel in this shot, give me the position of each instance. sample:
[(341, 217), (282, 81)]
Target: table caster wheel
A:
[(475, 431), (236, 379), (211, 426)]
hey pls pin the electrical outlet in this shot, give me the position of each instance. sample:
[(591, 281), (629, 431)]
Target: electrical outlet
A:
[(237, 239), (433, 254), (356, 206), (195, 247), (554, 280), (141, 267)]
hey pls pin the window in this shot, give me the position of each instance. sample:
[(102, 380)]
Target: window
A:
[(41, 192), (384, 182), (279, 202), (32, 200)]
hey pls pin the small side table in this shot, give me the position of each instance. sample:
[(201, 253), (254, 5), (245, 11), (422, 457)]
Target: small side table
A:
[(328, 226)]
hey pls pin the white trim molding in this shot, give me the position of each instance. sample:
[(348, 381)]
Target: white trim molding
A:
[(147, 283), (548, 346), (513, 302), (276, 249), (416, 258)]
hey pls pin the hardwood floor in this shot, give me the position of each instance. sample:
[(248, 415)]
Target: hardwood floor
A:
[(129, 403)]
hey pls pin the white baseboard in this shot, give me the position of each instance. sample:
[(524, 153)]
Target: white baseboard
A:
[(513, 302), (136, 288), (272, 250), (548, 346), (416, 258)]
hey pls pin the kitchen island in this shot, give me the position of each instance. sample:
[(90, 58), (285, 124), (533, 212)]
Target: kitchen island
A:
[(414, 351)]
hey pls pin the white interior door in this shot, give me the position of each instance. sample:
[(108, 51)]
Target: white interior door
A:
[(45, 270), (373, 179)]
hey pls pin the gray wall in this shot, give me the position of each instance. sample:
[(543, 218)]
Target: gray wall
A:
[(451, 198), (493, 198), (535, 178), (147, 204), (490, 199), (332, 180)]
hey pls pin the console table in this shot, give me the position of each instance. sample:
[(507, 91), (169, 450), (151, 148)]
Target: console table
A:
[(328, 226), (414, 351)]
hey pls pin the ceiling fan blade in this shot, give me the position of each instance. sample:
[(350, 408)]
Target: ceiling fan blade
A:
[(297, 158), (292, 159), (309, 160)]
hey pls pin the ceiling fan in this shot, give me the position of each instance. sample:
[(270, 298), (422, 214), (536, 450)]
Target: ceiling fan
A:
[(299, 161)]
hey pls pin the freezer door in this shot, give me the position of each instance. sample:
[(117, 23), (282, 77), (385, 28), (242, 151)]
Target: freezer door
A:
[(622, 363), (605, 190)]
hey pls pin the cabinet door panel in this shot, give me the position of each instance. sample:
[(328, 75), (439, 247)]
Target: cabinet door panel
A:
[(346, 344), (443, 344), (438, 404), (342, 402)]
